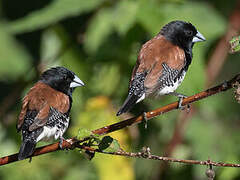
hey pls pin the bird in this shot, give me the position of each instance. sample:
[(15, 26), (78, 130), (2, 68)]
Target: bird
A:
[(162, 64), (44, 114)]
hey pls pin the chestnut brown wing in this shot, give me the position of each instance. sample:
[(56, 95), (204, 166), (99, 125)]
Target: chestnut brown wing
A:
[(41, 98)]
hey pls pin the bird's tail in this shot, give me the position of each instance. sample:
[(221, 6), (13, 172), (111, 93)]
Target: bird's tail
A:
[(26, 149), (128, 104)]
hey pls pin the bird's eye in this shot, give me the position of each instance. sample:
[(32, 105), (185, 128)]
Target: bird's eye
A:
[(189, 33), (69, 79)]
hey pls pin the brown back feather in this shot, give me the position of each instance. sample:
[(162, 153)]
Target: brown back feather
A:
[(40, 98), (152, 54)]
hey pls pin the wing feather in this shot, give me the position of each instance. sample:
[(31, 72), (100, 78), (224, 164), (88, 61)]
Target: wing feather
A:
[(41, 98), (153, 55)]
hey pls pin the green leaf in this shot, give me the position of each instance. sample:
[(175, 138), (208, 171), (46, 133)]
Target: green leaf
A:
[(83, 133), (51, 47), (57, 10), (109, 75), (119, 18), (149, 16), (100, 27), (235, 44), (124, 16), (15, 60), (108, 144)]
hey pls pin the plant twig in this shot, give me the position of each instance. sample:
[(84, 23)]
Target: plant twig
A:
[(70, 143), (147, 155)]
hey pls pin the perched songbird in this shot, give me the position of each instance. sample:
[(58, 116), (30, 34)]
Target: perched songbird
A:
[(162, 63), (45, 109)]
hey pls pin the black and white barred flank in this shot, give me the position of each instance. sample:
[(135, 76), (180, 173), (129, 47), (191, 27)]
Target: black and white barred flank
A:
[(170, 80), (55, 127)]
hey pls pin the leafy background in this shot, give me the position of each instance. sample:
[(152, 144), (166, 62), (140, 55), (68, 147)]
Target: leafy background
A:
[(99, 40)]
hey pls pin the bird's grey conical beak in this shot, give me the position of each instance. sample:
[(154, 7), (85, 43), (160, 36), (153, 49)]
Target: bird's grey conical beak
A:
[(76, 82), (198, 37)]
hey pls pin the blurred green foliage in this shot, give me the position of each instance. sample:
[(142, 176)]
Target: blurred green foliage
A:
[(99, 40)]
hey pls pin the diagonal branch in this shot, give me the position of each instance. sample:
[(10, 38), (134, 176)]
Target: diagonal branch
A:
[(70, 143)]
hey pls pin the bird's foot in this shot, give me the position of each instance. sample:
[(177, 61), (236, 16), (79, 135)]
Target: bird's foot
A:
[(61, 143), (30, 159), (181, 97), (145, 119), (180, 106)]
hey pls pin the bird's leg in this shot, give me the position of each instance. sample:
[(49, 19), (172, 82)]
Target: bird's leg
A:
[(30, 159), (61, 142), (181, 97), (145, 119)]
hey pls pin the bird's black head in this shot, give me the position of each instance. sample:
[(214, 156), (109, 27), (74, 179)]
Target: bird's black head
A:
[(182, 34), (61, 79)]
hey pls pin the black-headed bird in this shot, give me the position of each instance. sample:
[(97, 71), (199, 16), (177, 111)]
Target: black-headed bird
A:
[(45, 109), (162, 63)]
